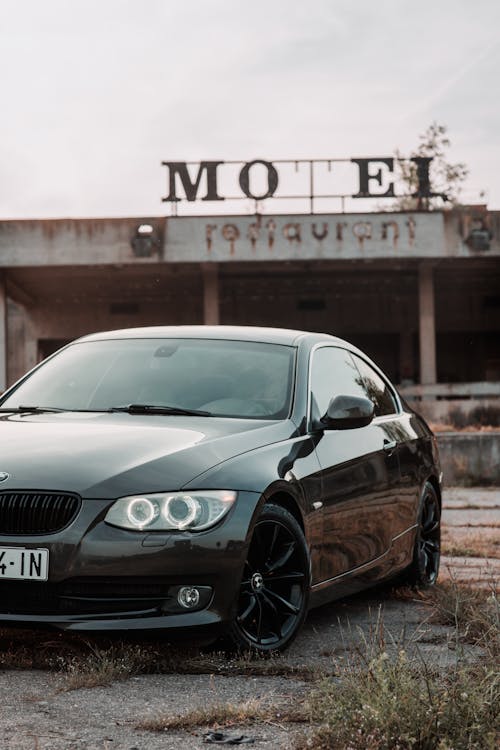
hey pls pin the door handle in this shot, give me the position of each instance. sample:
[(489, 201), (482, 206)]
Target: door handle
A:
[(390, 445)]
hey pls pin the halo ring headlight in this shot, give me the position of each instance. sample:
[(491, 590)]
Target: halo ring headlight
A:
[(141, 511), (181, 510), (195, 510)]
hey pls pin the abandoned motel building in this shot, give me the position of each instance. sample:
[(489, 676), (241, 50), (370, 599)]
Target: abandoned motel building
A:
[(418, 291)]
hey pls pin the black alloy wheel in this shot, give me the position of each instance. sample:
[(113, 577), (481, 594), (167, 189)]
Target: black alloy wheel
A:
[(274, 590), (427, 551)]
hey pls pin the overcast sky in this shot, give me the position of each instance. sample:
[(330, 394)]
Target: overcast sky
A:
[(97, 93)]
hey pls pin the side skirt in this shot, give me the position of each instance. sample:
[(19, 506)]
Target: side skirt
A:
[(393, 561)]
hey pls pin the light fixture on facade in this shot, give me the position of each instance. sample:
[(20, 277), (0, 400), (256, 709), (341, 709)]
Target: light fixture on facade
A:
[(146, 241)]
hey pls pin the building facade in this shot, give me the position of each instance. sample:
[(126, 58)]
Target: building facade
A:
[(419, 292)]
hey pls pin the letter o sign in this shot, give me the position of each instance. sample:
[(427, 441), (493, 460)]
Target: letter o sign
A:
[(272, 180)]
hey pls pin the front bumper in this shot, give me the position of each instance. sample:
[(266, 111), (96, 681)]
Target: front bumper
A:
[(102, 578)]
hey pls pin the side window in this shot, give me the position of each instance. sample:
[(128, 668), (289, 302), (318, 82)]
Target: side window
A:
[(333, 372), (375, 388)]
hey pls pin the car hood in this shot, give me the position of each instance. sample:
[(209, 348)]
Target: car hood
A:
[(111, 455)]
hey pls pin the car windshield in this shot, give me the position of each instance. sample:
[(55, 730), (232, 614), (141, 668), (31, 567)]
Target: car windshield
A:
[(224, 378)]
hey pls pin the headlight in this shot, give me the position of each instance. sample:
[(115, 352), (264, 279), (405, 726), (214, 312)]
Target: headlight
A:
[(166, 511)]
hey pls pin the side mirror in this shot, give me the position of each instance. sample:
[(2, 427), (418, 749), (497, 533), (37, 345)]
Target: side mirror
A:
[(347, 413)]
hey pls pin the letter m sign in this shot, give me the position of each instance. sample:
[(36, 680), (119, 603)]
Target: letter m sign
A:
[(179, 169)]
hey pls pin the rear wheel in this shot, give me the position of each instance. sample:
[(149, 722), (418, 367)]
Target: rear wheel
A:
[(274, 590), (424, 568)]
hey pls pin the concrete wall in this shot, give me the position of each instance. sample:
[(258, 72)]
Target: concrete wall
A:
[(470, 458), (457, 413)]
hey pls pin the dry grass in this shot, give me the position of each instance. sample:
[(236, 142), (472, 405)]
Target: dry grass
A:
[(251, 664), (86, 664), (473, 613), (32, 649), (461, 550), (381, 700), (389, 704), (225, 715), (469, 542), (104, 666)]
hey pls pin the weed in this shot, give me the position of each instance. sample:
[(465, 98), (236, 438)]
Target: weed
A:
[(382, 700), (395, 704), (85, 663), (473, 613), (104, 666), (29, 649)]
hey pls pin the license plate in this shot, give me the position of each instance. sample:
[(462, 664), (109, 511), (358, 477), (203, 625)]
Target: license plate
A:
[(19, 563)]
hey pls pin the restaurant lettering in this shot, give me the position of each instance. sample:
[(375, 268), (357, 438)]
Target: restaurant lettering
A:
[(267, 232)]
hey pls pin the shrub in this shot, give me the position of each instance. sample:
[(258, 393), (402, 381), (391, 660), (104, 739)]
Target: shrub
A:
[(395, 704)]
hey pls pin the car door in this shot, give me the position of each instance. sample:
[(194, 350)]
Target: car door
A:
[(359, 470), (397, 442)]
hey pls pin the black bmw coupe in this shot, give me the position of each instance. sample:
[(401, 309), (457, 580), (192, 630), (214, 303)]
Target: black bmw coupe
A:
[(212, 479)]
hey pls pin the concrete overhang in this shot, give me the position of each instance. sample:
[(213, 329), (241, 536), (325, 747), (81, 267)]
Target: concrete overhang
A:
[(144, 241)]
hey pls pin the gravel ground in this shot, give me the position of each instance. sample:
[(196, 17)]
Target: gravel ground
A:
[(37, 713)]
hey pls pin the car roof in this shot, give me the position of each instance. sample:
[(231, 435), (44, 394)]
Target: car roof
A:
[(231, 333)]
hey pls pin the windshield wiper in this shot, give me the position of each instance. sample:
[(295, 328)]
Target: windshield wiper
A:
[(159, 409), (33, 409), (130, 409)]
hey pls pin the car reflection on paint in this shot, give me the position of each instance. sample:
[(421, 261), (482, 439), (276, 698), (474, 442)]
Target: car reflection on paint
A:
[(219, 480)]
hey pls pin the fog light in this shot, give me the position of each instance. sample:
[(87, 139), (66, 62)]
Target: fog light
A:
[(184, 599), (188, 597)]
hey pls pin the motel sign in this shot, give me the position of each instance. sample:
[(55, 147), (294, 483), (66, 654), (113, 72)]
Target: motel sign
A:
[(192, 181)]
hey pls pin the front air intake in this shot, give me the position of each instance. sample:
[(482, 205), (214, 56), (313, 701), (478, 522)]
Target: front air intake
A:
[(36, 512)]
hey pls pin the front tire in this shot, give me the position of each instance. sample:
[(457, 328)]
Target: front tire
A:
[(424, 569), (274, 591)]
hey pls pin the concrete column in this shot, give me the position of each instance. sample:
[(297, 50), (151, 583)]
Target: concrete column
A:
[(426, 324), (30, 343), (3, 336), (210, 273)]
